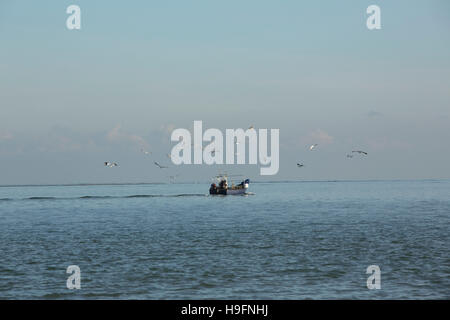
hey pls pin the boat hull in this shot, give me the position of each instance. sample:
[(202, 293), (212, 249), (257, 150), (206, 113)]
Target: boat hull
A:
[(236, 191)]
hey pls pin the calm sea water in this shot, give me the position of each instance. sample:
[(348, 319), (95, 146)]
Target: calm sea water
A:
[(285, 241)]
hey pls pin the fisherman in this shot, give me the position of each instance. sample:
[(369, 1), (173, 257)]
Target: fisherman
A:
[(213, 189)]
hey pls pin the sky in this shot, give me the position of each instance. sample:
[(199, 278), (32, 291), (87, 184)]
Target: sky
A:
[(72, 99)]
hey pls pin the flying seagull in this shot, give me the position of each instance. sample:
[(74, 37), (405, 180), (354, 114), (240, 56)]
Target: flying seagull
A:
[(300, 165), (313, 146), (160, 166), (359, 151), (110, 164)]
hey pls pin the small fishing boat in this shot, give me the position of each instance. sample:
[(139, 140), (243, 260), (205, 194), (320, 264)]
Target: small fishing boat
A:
[(223, 188)]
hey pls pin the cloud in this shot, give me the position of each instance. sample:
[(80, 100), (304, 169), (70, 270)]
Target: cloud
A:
[(64, 139), (165, 131), (5, 135), (318, 136), (117, 135), (374, 114), (168, 128), (57, 139)]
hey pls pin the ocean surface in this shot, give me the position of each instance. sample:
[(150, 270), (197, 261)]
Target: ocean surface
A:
[(299, 240)]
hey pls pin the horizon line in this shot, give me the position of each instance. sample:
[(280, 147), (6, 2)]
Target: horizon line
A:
[(198, 182)]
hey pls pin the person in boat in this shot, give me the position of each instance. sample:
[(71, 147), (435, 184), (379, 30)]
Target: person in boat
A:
[(243, 183), (223, 184)]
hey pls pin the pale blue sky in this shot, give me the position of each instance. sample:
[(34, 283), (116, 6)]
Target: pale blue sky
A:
[(70, 100)]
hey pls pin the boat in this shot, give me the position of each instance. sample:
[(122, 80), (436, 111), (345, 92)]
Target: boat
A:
[(222, 188)]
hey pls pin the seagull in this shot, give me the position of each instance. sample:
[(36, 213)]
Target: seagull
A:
[(359, 151), (313, 146), (349, 156), (111, 164), (300, 165), (160, 166)]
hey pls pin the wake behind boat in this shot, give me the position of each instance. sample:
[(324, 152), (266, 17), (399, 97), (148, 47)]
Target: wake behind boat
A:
[(224, 189)]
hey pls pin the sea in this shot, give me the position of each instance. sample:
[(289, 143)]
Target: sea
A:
[(283, 240)]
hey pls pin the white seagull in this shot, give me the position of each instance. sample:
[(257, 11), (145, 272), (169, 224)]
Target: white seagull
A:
[(313, 146), (145, 152)]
